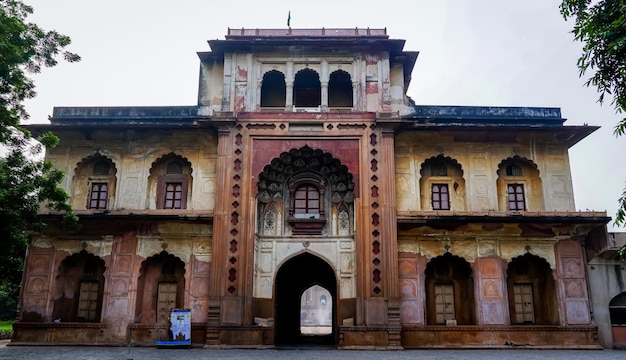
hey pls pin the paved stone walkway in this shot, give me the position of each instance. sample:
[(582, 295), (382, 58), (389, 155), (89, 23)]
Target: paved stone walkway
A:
[(121, 353)]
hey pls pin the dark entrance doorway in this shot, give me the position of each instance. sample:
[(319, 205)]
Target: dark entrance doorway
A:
[(293, 278)]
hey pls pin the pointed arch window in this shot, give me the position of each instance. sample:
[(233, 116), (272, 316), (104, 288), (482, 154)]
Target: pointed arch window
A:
[(340, 89), (307, 89), (273, 89)]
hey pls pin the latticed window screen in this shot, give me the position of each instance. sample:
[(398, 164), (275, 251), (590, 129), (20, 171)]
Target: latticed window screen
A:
[(101, 168), (166, 300), (514, 170), (88, 300), (440, 197), (173, 195), (174, 167), (307, 200), (444, 303), (523, 303), (515, 196), (98, 195)]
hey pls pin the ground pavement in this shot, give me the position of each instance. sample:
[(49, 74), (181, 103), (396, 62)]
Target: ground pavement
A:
[(311, 353)]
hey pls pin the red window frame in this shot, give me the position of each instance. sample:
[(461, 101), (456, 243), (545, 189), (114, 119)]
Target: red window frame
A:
[(98, 195), (172, 199), (173, 195), (440, 195), (515, 197)]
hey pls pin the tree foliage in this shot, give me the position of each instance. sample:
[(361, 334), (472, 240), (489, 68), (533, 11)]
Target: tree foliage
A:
[(601, 26), (26, 180)]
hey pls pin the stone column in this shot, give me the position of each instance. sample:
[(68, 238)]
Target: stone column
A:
[(324, 96), (289, 87), (289, 96)]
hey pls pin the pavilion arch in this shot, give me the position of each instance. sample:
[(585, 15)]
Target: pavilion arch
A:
[(519, 185), (532, 291), (442, 186), (307, 89), (160, 288), (273, 89), (294, 276), (305, 191), (449, 291), (94, 183), (169, 183), (340, 93), (79, 288)]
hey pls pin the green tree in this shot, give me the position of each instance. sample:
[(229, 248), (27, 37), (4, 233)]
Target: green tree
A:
[(26, 180), (601, 27)]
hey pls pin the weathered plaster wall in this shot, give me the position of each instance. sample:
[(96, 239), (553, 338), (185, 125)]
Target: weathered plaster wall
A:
[(133, 154), (211, 85), (489, 255), (479, 162), (607, 279), (235, 85), (123, 256), (272, 252)]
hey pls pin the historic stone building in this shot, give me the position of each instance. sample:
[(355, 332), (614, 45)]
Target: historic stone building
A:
[(304, 163)]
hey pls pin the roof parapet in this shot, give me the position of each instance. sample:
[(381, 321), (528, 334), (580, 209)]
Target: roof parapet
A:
[(321, 32)]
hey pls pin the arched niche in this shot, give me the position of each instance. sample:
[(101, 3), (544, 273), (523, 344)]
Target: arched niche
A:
[(519, 185), (532, 291), (169, 183), (160, 288), (449, 291), (442, 186), (331, 180), (79, 288), (94, 183)]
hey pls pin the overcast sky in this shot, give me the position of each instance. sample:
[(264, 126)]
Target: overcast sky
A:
[(472, 52)]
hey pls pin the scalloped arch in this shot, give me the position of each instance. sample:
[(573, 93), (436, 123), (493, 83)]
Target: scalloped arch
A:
[(530, 257), (340, 72), (273, 71), (93, 158), (449, 257), (517, 159), (297, 163), (170, 156), (441, 157), (83, 255), (306, 69), (162, 257)]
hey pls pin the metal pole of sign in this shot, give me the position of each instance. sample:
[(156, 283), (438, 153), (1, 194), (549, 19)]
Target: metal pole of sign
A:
[(130, 342)]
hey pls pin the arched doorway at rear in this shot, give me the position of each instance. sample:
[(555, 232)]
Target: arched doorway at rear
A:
[(293, 278)]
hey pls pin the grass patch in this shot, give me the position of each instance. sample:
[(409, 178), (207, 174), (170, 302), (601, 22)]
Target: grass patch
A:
[(6, 325)]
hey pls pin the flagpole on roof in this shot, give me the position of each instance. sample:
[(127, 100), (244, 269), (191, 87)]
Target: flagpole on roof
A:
[(289, 19)]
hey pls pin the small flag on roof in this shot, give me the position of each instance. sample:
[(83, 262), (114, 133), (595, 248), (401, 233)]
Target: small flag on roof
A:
[(289, 19)]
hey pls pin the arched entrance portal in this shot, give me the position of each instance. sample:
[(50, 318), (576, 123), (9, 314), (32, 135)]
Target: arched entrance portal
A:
[(292, 279)]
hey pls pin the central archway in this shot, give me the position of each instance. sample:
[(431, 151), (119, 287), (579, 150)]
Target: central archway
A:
[(294, 277)]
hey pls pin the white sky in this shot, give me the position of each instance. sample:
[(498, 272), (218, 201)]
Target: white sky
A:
[(472, 52)]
